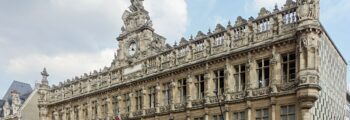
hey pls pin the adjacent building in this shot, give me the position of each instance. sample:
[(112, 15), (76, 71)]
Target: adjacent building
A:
[(281, 65), (19, 103)]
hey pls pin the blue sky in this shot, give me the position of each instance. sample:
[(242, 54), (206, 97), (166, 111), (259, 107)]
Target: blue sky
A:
[(71, 37)]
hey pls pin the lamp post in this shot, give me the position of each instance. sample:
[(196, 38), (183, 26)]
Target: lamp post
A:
[(219, 101)]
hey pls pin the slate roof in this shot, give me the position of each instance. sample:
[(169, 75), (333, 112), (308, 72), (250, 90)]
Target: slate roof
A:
[(20, 87), (1, 104)]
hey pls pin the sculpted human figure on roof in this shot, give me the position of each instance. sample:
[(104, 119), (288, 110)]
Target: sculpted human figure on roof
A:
[(136, 5)]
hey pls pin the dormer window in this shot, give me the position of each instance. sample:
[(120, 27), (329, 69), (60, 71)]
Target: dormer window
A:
[(182, 51), (219, 40), (199, 46)]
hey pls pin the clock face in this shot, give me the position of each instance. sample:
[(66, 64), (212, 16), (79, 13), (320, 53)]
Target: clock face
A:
[(132, 49)]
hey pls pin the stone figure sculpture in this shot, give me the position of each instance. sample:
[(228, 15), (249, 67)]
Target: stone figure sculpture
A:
[(136, 5)]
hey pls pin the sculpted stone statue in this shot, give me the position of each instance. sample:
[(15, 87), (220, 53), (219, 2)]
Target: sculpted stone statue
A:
[(136, 5)]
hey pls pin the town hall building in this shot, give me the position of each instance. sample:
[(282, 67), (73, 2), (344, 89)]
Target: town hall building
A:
[(280, 65)]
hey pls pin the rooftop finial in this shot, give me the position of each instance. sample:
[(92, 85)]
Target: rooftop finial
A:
[(44, 73), (44, 81)]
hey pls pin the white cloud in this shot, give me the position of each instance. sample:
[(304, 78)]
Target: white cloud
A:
[(170, 17), (60, 67), (269, 4), (71, 37)]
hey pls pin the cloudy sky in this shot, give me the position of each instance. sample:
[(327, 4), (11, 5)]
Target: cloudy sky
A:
[(71, 37)]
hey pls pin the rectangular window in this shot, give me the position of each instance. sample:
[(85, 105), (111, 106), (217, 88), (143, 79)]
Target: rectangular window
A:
[(200, 86), (219, 81), (182, 89), (218, 117), (199, 46), (263, 72), (240, 77), (166, 93), (139, 100), (152, 97), (127, 102), (239, 116), (115, 103), (289, 67), (262, 114), (288, 112)]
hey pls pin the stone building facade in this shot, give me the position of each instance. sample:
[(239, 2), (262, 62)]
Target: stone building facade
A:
[(281, 65)]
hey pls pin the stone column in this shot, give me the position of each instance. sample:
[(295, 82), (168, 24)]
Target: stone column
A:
[(81, 114), (209, 85), (64, 112), (72, 113), (249, 111), (144, 102), (190, 90), (89, 109), (132, 104), (173, 95), (158, 98), (273, 108), (110, 112), (229, 79), (275, 70), (99, 110), (252, 74)]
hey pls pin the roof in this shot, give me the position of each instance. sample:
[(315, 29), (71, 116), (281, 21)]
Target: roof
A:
[(1, 104), (20, 87)]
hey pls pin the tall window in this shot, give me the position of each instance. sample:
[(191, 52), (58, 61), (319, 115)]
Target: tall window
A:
[(138, 99), (289, 67), (152, 97), (288, 112), (115, 103), (166, 93), (239, 116), (218, 117), (219, 81), (263, 72), (262, 114), (240, 77), (183, 90), (127, 102), (200, 86)]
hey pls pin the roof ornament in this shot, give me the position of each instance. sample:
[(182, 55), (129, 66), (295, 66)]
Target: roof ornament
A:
[(136, 5), (44, 79)]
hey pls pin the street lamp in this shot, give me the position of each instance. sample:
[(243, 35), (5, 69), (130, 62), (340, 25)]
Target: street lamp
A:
[(219, 101)]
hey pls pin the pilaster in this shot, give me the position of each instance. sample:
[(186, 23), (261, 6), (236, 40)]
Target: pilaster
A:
[(190, 90)]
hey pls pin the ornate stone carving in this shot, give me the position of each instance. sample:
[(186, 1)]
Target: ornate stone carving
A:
[(263, 12), (308, 9), (240, 21)]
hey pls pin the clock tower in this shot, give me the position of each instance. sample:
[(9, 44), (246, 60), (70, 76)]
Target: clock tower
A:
[(138, 39)]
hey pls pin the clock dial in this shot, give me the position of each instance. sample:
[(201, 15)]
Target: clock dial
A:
[(132, 49)]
